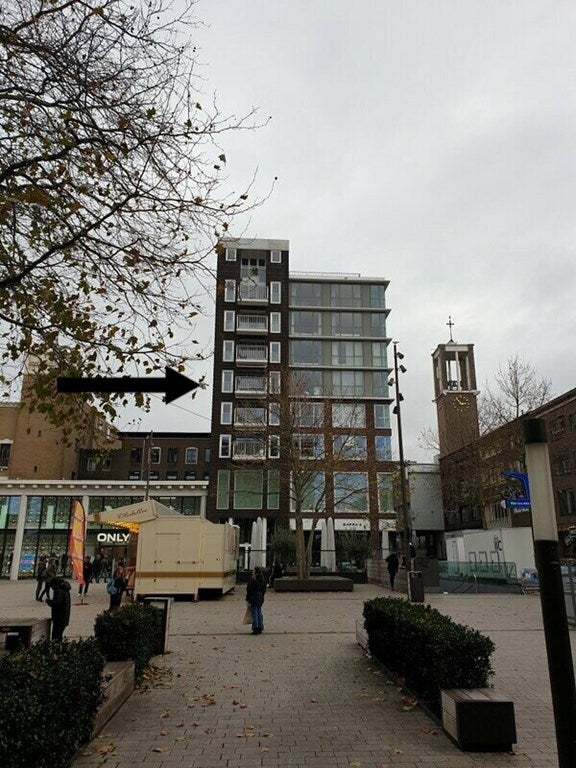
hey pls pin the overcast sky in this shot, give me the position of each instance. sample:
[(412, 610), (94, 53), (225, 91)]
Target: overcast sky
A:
[(431, 143)]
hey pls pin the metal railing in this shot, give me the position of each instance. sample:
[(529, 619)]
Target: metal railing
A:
[(251, 323), (254, 417), (247, 449), (502, 571), (249, 353), (252, 292), (253, 384)]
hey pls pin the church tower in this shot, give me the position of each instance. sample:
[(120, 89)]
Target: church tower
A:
[(455, 394)]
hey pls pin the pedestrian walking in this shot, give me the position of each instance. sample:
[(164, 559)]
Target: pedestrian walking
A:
[(60, 607), (41, 577), (96, 568), (50, 575), (393, 565), (255, 591), (115, 588), (275, 573), (63, 563), (87, 573)]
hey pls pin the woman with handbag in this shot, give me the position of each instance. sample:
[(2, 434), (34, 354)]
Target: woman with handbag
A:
[(255, 590)]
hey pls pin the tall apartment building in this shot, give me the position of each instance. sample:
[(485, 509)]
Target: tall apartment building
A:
[(300, 370)]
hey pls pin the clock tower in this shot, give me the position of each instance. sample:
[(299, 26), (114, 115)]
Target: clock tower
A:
[(455, 395)]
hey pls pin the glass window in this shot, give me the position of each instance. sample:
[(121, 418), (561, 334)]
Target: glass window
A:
[(135, 455), (274, 414), (381, 416), (378, 296), (276, 257), (348, 415), (348, 383), (380, 383), (275, 321), (350, 492), (309, 382), (385, 500), (347, 353), (230, 254), (225, 446), (349, 447), (207, 456), (134, 474), (189, 475), (223, 489), (172, 475), (227, 381), (346, 323), (383, 445), (275, 382), (274, 446), (307, 414), (275, 351), (273, 489), (309, 493), (304, 352), (309, 446), (230, 290), (253, 271), (191, 456), (228, 352), (275, 292), (155, 455), (9, 511), (248, 488), (4, 455), (173, 455), (305, 323), (306, 294), (154, 475), (377, 324), (345, 295), (229, 318), (250, 415), (91, 464), (225, 413), (379, 354)]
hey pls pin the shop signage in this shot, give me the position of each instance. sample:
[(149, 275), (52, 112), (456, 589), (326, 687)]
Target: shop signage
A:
[(113, 538)]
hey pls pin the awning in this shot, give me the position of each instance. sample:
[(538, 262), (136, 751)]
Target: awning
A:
[(133, 513)]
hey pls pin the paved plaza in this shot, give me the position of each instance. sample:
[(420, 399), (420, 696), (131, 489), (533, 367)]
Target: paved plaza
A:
[(304, 694)]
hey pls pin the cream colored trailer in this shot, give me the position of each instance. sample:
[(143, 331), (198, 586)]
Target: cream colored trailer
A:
[(177, 554)]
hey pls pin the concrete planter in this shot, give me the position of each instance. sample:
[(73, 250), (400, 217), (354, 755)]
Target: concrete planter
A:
[(118, 685), (313, 584)]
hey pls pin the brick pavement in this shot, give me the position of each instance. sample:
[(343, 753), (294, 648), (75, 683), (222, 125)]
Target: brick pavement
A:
[(303, 694)]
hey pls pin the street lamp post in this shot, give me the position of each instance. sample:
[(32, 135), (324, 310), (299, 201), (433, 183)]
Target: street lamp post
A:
[(399, 368)]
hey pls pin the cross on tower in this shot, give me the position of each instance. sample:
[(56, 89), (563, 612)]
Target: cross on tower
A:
[(450, 323)]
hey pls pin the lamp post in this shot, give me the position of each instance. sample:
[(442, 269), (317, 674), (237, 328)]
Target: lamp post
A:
[(547, 556), (399, 368)]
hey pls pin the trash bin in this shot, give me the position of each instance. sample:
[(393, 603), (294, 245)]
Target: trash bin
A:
[(163, 603), (415, 586)]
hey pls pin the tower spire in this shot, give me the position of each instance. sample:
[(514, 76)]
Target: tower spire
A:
[(450, 324)]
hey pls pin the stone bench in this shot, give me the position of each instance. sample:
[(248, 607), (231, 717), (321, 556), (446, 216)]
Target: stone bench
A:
[(479, 719)]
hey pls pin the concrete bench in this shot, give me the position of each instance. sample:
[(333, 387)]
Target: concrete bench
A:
[(479, 719)]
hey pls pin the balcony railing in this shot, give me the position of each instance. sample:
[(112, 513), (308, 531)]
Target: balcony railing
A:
[(247, 450), (252, 323), (254, 293), (250, 417), (250, 385), (251, 354)]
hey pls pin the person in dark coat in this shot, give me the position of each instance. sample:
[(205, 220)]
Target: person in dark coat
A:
[(41, 577), (120, 585), (276, 573), (60, 605), (87, 573), (255, 590), (393, 565)]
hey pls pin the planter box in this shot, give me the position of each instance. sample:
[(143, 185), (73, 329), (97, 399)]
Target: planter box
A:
[(478, 719), (313, 584), (22, 633), (118, 685)]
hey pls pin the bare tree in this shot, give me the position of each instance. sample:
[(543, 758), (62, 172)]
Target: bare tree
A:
[(519, 390), (111, 188)]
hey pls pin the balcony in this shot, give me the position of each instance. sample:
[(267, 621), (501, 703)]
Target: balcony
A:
[(250, 386), (251, 354), (252, 323), (250, 417), (249, 450), (249, 293)]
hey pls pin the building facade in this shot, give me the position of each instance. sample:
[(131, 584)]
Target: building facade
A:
[(301, 402)]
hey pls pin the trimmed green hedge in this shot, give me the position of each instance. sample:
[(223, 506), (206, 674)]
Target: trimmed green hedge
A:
[(49, 695), (426, 649), (132, 631)]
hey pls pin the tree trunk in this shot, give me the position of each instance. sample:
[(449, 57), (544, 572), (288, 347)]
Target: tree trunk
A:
[(300, 547)]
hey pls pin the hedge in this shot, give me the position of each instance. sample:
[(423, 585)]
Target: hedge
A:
[(132, 631), (49, 696), (426, 649)]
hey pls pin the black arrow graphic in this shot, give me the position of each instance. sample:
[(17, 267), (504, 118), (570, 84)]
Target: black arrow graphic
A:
[(174, 385)]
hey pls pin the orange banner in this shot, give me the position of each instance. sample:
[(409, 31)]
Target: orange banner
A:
[(77, 541)]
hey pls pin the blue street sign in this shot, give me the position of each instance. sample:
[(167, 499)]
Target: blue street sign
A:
[(523, 500)]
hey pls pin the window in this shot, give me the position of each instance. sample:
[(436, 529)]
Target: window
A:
[(313, 381), (383, 447), (379, 354), (248, 489), (207, 456), (135, 455), (557, 426), (228, 352), (106, 464), (276, 257), (348, 383), (306, 352), (189, 475), (385, 501), (306, 414), (253, 271), (381, 416), (273, 489), (230, 290), (312, 491), (91, 464), (225, 451), (173, 455), (305, 323), (250, 415), (346, 323), (345, 295), (380, 383), (229, 319), (348, 415), (154, 474), (275, 320), (226, 413), (274, 447), (309, 446), (378, 296), (227, 381), (275, 382), (133, 474), (223, 489), (172, 475), (377, 324), (155, 455), (349, 353), (561, 465), (275, 292), (4, 455), (349, 447), (191, 456), (275, 350), (274, 414), (230, 254), (350, 492), (306, 294)]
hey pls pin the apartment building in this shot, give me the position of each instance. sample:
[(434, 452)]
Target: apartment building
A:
[(300, 387)]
